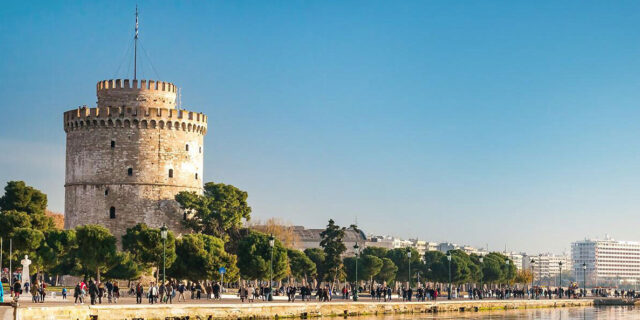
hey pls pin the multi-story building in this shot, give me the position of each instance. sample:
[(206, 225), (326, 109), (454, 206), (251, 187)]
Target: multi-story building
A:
[(423, 246), (608, 259), (517, 258), (546, 266)]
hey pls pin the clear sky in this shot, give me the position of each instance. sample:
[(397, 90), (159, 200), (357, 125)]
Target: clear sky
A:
[(480, 122)]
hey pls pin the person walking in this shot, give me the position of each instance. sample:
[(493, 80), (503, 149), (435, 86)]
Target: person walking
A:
[(139, 293), (64, 293), (181, 289), (1, 291), (93, 292)]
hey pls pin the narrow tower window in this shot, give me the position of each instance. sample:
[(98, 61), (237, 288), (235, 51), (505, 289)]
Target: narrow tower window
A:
[(200, 149), (196, 176), (130, 171), (170, 173), (113, 144), (187, 147), (106, 191), (112, 213)]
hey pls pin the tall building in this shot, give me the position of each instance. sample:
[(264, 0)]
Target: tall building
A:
[(129, 156), (608, 260), (547, 266)]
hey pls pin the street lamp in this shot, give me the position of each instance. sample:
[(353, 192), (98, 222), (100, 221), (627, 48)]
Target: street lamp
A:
[(584, 278), (481, 284), (560, 285), (449, 258), (409, 256), (356, 249), (163, 234), (533, 262), (272, 242)]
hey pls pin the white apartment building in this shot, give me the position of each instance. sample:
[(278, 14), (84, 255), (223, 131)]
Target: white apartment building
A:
[(517, 258), (547, 266), (423, 246), (606, 259)]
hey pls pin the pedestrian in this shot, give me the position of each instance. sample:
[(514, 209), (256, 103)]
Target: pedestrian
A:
[(17, 289), (1, 291), (64, 293), (93, 292), (139, 293), (181, 289), (116, 292)]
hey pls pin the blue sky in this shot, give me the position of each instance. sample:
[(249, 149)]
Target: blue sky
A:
[(488, 122)]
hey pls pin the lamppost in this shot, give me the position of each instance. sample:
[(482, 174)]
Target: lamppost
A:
[(409, 256), (356, 249), (584, 279), (481, 284), (163, 234), (449, 258), (506, 284), (560, 284), (533, 262), (272, 242)]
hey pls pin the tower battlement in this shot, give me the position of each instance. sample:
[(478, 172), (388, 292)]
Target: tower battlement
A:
[(136, 85), (136, 117), (143, 93)]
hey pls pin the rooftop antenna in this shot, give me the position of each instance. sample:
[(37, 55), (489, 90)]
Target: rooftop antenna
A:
[(135, 48)]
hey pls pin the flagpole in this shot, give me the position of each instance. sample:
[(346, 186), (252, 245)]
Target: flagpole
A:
[(135, 49)]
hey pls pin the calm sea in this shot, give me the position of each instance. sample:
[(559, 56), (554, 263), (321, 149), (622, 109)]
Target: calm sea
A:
[(601, 313)]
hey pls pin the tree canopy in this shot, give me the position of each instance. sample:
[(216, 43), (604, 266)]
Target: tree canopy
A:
[(254, 257), (146, 246), (300, 265), (200, 257), (218, 212)]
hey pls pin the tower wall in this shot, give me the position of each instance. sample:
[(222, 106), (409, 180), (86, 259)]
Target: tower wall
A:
[(119, 155)]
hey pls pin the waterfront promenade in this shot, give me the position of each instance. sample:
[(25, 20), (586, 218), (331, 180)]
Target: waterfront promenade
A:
[(233, 309)]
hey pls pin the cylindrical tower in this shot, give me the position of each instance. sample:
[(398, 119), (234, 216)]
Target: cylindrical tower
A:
[(130, 156)]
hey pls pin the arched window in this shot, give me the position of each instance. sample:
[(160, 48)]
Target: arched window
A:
[(170, 173), (130, 171), (113, 144), (187, 147), (106, 191), (196, 176), (112, 213)]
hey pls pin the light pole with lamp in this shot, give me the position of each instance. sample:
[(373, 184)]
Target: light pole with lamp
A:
[(449, 258), (584, 279), (356, 249), (163, 235), (506, 283), (560, 284), (481, 284), (533, 262), (409, 256), (272, 242)]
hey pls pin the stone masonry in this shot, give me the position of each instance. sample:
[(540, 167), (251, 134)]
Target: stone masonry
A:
[(127, 158)]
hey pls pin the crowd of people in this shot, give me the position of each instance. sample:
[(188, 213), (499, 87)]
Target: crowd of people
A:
[(158, 292)]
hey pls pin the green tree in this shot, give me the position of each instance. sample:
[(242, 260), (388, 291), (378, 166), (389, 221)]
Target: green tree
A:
[(368, 267), (375, 251), (254, 257), (146, 246), (200, 256), (300, 265), (124, 267), (55, 248), (218, 212), (20, 197), (400, 258), (333, 245), (96, 249), (12, 219), (318, 257), (432, 266), (387, 272)]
